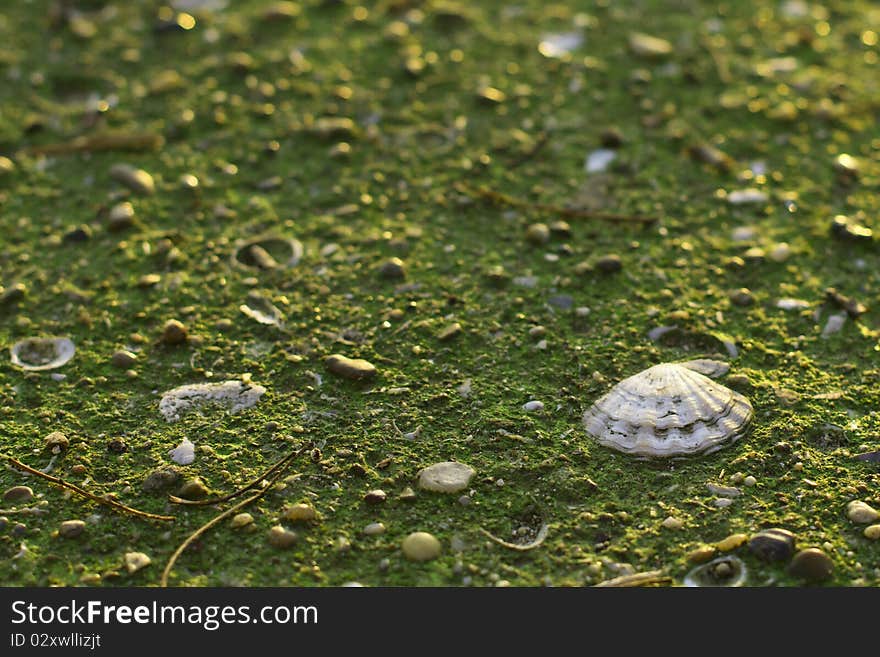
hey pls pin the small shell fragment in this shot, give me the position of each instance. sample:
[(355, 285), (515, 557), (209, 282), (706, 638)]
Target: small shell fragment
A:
[(36, 354), (235, 395), (668, 410), (724, 571), (184, 453)]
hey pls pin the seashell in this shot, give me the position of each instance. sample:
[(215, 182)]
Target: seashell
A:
[(35, 354), (671, 409), (264, 252), (724, 571)]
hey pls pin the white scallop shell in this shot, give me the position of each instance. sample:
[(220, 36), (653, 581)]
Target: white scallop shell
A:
[(36, 354), (671, 409)]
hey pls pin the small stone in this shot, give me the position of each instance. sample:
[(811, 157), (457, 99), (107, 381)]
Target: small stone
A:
[(6, 165), (780, 252), (123, 359), (744, 196), (148, 280), (872, 532), (742, 297), (374, 529), (173, 333), (844, 228), (240, 520), (449, 332), (834, 324), (671, 522), (862, 513), (280, 537), (78, 234), (160, 480), (497, 275), (300, 513), (407, 495), (772, 544), (649, 46), (375, 496), (117, 445), (71, 528), (724, 491), (135, 179), (847, 165), (611, 137), (731, 542), (538, 234), (56, 442), (135, 561), (533, 406), (609, 264), (446, 477), (392, 269), (421, 546), (701, 554), (120, 217), (560, 228), (750, 481), (350, 368), (812, 565), (193, 489)]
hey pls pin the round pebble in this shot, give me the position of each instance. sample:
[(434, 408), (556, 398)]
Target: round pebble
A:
[(18, 494), (280, 537), (136, 180), (56, 442), (300, 513), (446, 477), (123, 359), (173, 333), (375, 496), (742, 297), (71, 528), (671, 522), (872, 532), (134, 561), (241, 520), (350, 368), (374, 529), (533, 406), (609, 264), (392, 269), (120, 217), (421, 546), (194, 489), (538, 234), (862, 513), (812, 565), (772, 544)]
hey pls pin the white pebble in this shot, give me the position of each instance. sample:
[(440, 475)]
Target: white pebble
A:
[(533, 406), (751, 195), (184, 453), (599, 160), (834, 324)]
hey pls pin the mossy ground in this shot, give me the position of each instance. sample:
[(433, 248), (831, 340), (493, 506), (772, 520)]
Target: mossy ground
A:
[(245, 90)]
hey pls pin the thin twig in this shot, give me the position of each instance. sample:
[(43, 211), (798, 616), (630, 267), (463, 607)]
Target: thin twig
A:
[(503, 199), (649, 578), (244, 489), (201, 530), (102, 142), (79, 491)]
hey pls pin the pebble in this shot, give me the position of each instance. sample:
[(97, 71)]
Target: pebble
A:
[(862, 513), (241, 520), (731, 542), (407, 495), (609, 264), (599, 160), (392, 269), (449, 332), (184, 453), (872, 532), (671, 522), (56, 442), (781, 252), (750, 481), (376, 496), (701, 554), (772, 544), (350, 368), (649, 46), (744, 233), (120, 217), (846, 164), (533, 406), (71, 528), (148, 281), (123, 359), (173, 333), (724, 491), (812, 565), (421, 546), (6, 165), (743, 196), (300, 513), (18, 494), (280, 537), (193, 489), (558, 45), (538, 234), (611, 137), (845, 228), (446, 477), (117, 445), (135, 179), (560, 228), (834, 324), (374, 529), (135, 561), (161, 479), (742, 297), (792, 304)]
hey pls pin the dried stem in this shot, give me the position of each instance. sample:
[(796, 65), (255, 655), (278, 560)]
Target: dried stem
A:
[(79, 491)]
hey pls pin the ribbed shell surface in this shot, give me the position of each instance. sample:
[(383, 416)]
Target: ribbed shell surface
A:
[(668, 410)]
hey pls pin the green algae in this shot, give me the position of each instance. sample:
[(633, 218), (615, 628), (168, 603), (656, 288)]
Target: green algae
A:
[(256, 110)]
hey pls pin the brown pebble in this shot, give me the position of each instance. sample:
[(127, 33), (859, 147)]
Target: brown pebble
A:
[(281, 538), (375, 496), (19, 494), (812, 565), (174, 332), (449, 332), (350, 368), (300, 513), (609, 264), (194, 489), (701, 554), (731, 542), (71, 528), (56, 442), (392, 269), (123, 359)]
